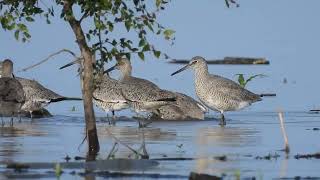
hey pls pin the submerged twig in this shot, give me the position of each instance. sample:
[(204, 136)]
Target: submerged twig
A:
[(283, 130), (46, 59), (84, 139), (122, 143), (113, 151)]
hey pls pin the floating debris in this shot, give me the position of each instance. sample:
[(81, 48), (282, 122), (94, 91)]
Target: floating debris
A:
[(198, 176), (308, 156), (298, 178), (78, 158), (268, 157), (18, 166), (229, 60), (220, 158), (314, 129), (315, 111)]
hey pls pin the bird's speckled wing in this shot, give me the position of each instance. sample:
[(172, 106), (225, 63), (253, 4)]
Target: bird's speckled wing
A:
[(108, 90), (36, 92), (230, 88), (143, 93)]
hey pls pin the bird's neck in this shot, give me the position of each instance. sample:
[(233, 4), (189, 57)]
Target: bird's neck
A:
[(6, 74), (201, 73), (125, 73)]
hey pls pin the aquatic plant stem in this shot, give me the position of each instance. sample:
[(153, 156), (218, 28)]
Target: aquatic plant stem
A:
[(284, 133)]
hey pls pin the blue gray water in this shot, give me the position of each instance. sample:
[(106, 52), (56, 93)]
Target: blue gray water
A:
[(246, 136)]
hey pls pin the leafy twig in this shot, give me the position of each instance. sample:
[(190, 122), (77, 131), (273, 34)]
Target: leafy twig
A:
[(243, 82)]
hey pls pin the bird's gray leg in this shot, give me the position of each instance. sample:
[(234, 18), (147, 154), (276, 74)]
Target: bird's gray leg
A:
[(11, 121), (2, 122), (31, 115), (222, 120), (139, 118), (108, 119), (19, 117), (144, 121), (145, 154), (113, 120)]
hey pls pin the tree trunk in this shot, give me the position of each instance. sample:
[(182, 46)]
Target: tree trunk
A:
[(91, 130)]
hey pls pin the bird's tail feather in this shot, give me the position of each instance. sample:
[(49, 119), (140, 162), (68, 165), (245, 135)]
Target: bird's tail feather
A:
[(167, 99), (66, 99)]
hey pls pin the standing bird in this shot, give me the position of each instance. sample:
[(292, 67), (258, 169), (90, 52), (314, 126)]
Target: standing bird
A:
[(184, 108), (12, 96), (38, 97), (125, 68), (216, 92), (107, 92), (141, 94)]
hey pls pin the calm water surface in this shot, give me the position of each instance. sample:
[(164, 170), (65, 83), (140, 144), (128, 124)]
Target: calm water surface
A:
[(246, 136)]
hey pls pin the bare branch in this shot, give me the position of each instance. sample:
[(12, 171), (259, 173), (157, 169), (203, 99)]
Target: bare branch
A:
[(122, 143), (46, 59)]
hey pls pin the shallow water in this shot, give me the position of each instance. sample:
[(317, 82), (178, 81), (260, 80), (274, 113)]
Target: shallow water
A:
[(178, 147)]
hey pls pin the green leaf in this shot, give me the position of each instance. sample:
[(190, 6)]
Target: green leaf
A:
[(88, 36), (11, 26), (146, 47), (110, 25), (29, 19), (58, 169), (150, 27), (141, 55), (16, 34), (241, 80), (168, 33), (142, 42), (227, 3), (27, 35), (128, 25), (22, 27), (158, 3), (128, 55), (114, 42), (156, 53)]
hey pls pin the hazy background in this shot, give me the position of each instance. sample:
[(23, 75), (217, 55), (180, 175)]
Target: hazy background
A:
[(285, 32)]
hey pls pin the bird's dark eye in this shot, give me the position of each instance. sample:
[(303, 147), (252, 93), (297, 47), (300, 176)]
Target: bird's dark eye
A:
[(195, 62)]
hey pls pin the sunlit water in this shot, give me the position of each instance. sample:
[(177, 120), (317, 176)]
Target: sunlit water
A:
[(246, 136)]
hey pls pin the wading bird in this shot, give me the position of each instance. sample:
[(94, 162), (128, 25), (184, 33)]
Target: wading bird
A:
[(216, 92), (12, 96)]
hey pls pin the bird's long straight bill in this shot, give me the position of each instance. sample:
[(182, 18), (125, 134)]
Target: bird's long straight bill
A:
[(70, 64), (110, 69), (180, 70)]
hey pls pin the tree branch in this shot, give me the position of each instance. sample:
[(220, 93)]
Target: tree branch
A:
[(46, 59), (83, 16)]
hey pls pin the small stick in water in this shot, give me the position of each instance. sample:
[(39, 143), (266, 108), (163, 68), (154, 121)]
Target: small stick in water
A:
[(283, 130)]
